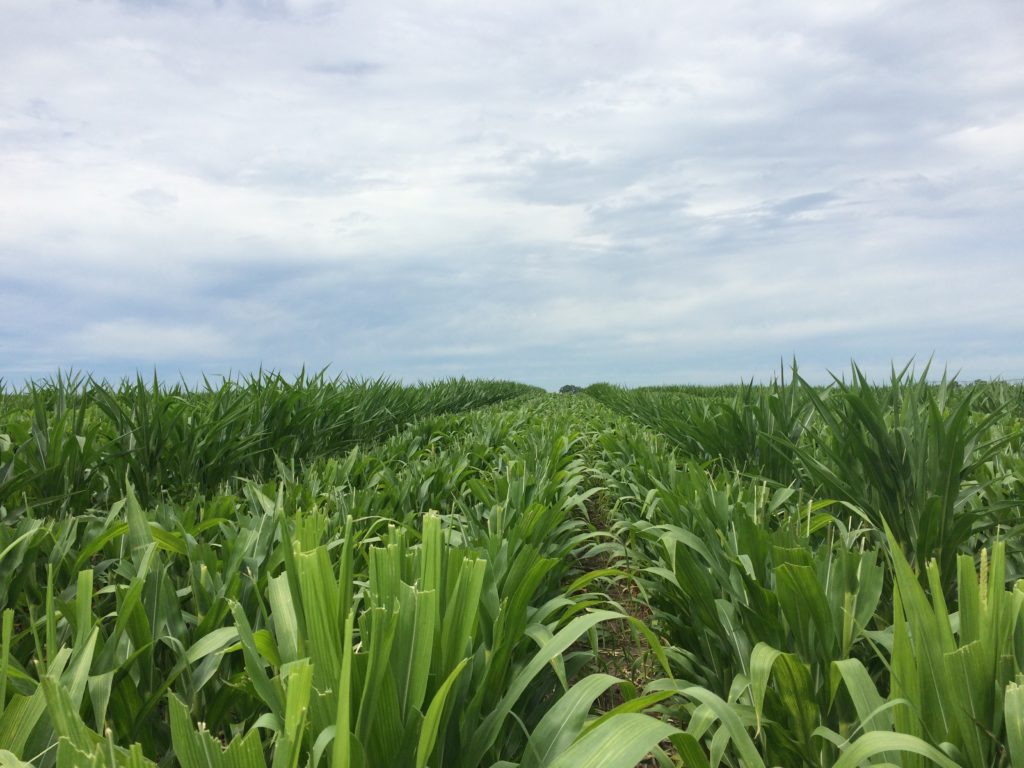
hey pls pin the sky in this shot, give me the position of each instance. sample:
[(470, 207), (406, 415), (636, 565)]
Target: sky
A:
[(553, 192)]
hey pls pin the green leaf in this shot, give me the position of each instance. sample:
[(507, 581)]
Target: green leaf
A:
[(564, 721), (431, 721), (620, 742), (487, 732), (343, 747), (877, 742), (1013, 712), (200, 749), (298, 688)]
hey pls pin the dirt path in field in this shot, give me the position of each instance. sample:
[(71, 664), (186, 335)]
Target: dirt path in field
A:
[(628, 654)]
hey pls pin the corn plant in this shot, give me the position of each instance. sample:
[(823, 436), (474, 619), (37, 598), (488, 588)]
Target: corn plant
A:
[(906, 456), (752, 429)]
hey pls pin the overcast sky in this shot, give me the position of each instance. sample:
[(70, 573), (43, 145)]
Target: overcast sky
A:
[(555, 192)]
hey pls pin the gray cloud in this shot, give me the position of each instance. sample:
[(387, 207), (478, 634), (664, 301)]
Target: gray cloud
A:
[(153, 197), (352, 68), (551, 193)]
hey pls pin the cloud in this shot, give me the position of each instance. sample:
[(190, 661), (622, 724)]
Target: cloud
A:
[(146, 341), (569, 192), (351, 68), (153, 197)]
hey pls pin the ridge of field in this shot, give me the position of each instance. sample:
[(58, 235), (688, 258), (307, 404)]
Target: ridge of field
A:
[(774, 575)]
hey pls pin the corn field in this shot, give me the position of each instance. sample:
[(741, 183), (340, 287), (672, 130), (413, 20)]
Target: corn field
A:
[(315, 572)]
